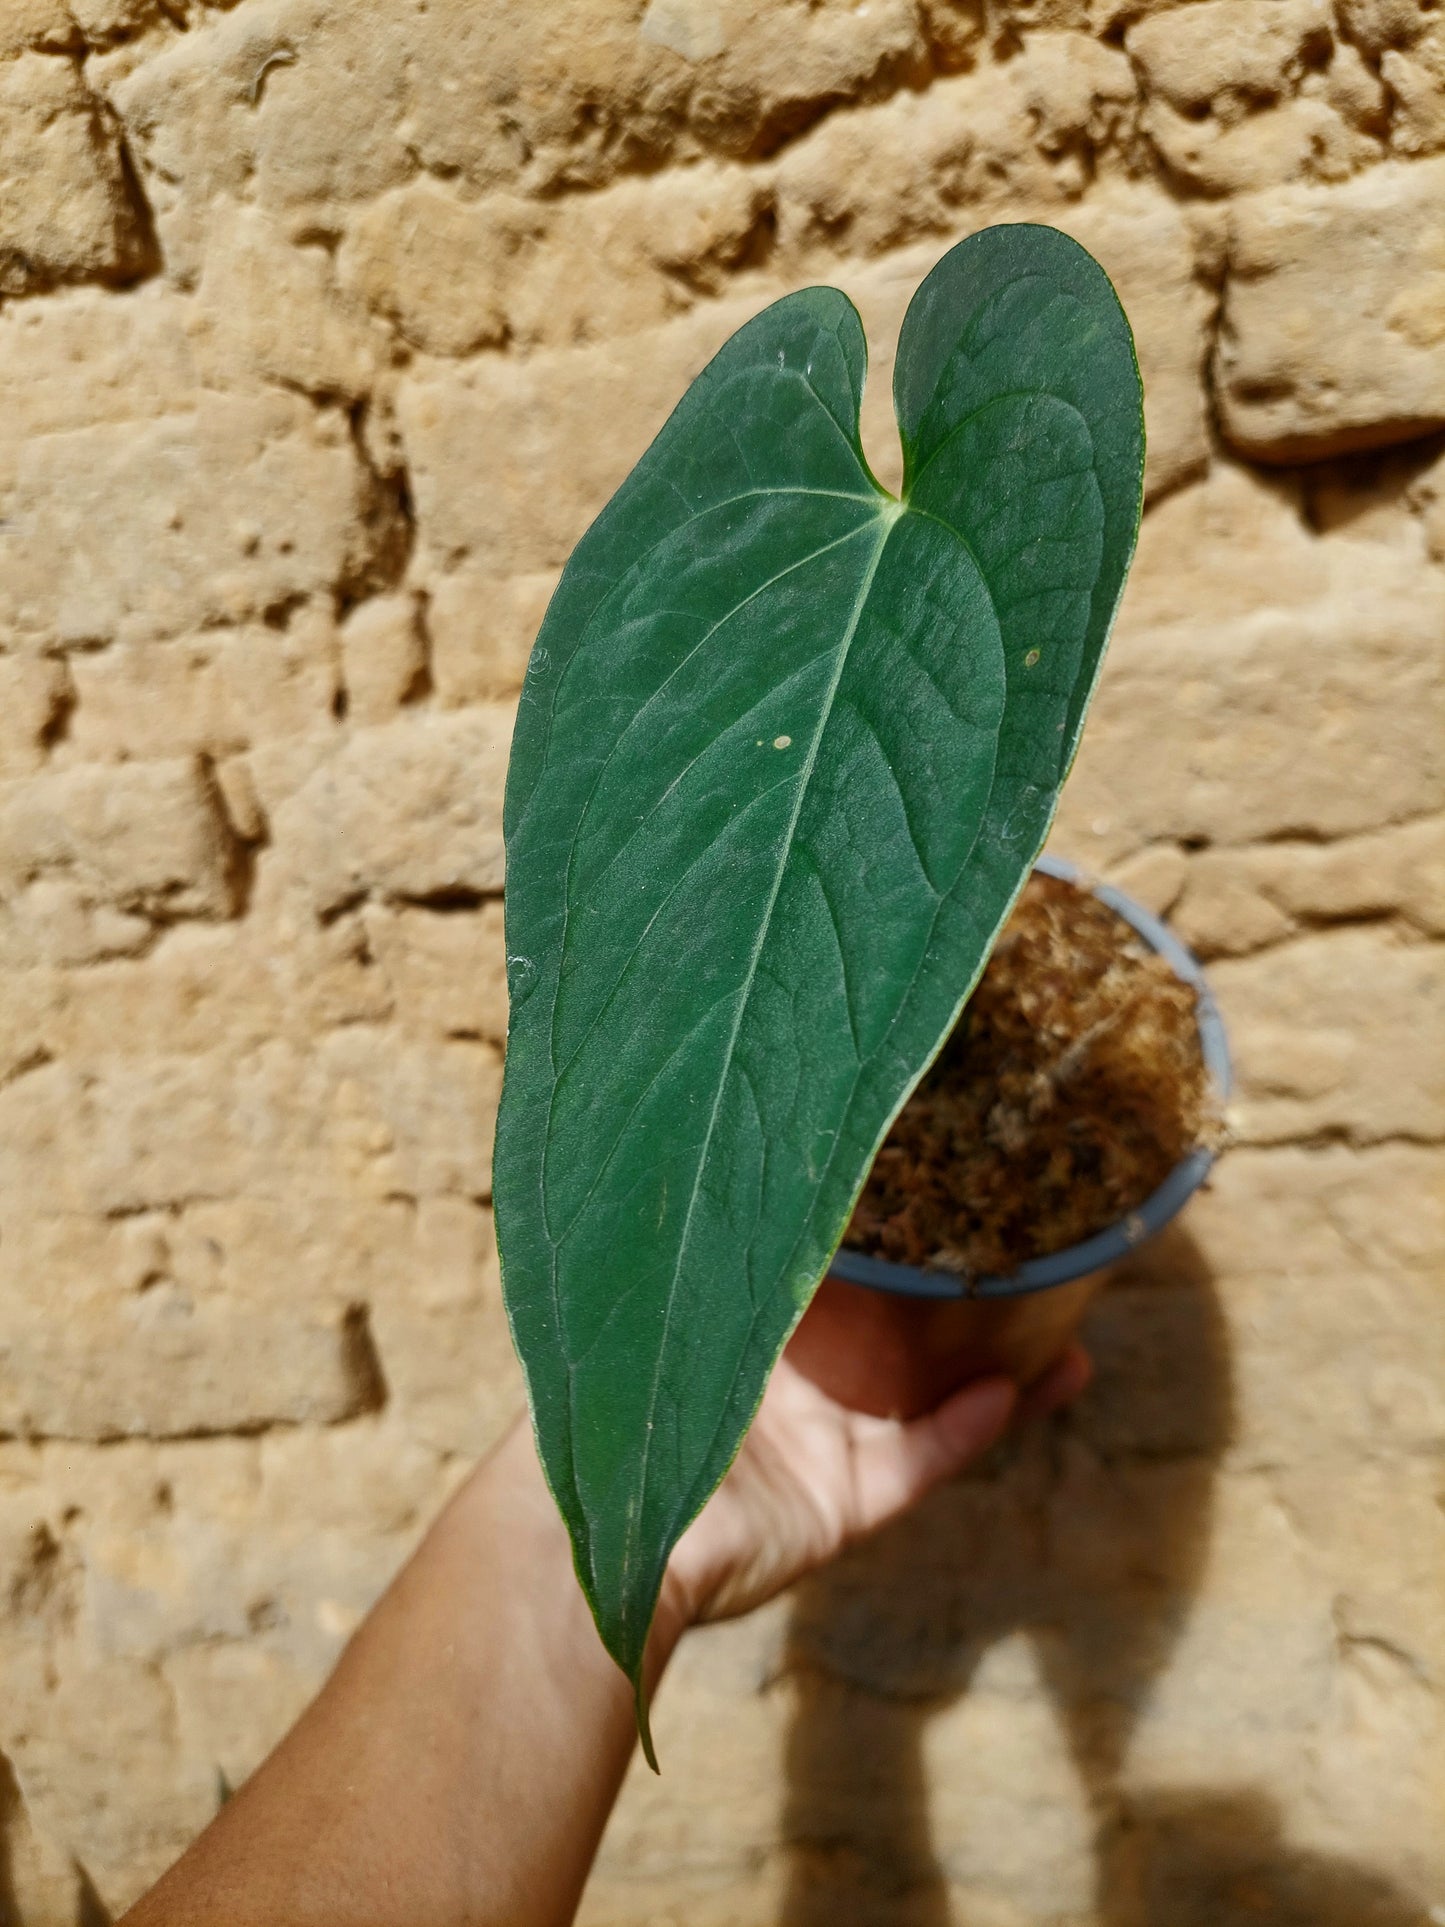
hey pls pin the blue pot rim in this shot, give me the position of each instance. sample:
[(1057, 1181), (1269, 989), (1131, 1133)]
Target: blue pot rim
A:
[(1108, 1246)]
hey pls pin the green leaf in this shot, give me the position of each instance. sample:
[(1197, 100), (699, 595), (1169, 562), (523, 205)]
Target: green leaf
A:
[(786, 750)]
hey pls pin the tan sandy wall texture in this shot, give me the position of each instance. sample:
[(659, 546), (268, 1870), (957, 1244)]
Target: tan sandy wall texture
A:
[(326, 327)]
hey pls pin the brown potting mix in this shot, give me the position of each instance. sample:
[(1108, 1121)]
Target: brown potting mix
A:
[(1070, 1087)]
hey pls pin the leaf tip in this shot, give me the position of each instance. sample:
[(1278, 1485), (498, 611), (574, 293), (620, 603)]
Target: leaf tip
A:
[(644, 1725)]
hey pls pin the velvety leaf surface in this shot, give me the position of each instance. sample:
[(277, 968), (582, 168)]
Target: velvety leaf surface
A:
[(785, 752)]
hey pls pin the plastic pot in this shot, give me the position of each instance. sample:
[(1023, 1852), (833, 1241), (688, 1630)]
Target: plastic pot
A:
[(896, 1339)]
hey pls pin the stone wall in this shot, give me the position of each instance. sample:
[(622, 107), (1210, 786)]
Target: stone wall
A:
[(326, 327)]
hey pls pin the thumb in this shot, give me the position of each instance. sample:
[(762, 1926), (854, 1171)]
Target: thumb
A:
[(901, 1462)]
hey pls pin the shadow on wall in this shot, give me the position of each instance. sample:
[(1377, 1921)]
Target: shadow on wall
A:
[(1090, 1537)]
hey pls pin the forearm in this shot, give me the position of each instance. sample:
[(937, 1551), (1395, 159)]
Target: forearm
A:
[(459, 1766), (461, 1762)]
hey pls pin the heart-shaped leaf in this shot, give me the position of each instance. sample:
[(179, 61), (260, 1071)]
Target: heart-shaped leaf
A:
[(786, 750)]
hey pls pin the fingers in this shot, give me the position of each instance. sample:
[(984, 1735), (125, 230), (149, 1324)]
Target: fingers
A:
[(897, 1464)]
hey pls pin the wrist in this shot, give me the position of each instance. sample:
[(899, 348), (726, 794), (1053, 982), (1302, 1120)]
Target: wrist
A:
[(508, 1490)]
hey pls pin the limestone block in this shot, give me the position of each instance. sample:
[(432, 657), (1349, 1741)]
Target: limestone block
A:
[(356, 1114), (35, 23), (1397, 1601), (36, 693), (228, 988), (1235, 543), (273, 770), (67, 210), (1363, 1200), (1406, 40), (442, 1337), (998, 1747), (207, 986), (1400, 869), (383, 657), (102, 20), (997, 1751), (1262, 1623), (1329, 1310), (315, 105), (413, 1118), (1004, 142), (271, 308), (510, 462), (1381, 1718), (1319, 1210), (438, 267), (234, 1698), (204, 1540), (55, 921), (1154, 876), (1156, 1311), (164, 1367), (1244, 50), (66, 1763), (219, 513), (28, 1010), (961, 148), (1302, 374), (1366, 1355), (1239, 900), (223, 1317), (105, 1156), (277, 104), (1377, 25), (1334, 1033), (238, 794), (1354, 89), (455, 275), (80, 358), (218, 693), (175, 1548), (411, 808), (1267, 1208), (44, 1882), (150, 841), (482, 629), (747, 80), (1195, 734), (1416, 80), (637, 252), (1306, 139), (446, 972), (1231, 588), (1226, 909)]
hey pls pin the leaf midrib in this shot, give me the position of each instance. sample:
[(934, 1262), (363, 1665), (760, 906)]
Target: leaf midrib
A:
[(559, 1071), (889, 516)]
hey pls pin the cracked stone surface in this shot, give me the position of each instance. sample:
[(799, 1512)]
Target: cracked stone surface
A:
[(325, 329)]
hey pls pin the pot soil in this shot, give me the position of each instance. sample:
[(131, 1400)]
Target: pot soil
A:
[(1070, 1088)]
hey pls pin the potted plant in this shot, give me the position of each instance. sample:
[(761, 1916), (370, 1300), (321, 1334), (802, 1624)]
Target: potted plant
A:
[(786, 752), (1074, 1109)]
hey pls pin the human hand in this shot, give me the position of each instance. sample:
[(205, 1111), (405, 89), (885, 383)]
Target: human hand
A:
[(812, 1477)]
